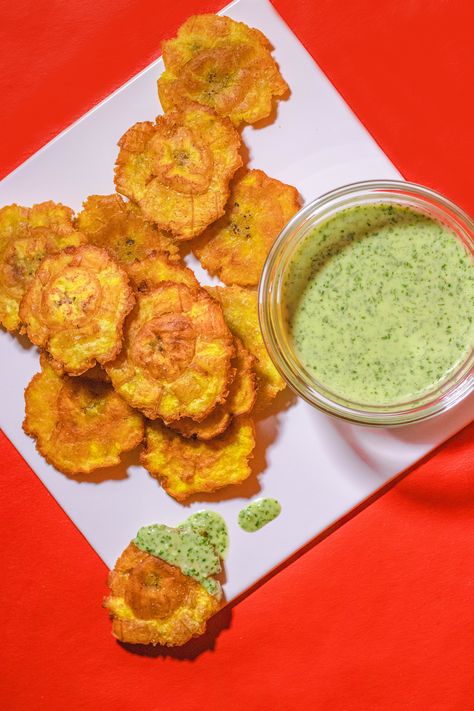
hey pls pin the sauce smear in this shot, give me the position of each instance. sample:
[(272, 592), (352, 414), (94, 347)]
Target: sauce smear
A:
[(195, 546), (258, 513)]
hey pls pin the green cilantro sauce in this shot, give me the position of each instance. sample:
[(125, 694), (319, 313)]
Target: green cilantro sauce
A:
[(195, 546), (258, 513), (380, 304), (213, 526)]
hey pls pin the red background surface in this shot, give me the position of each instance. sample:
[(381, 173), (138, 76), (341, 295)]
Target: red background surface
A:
[(378, 615)]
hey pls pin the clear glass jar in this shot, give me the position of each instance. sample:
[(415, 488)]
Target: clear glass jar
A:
[(272, 322)]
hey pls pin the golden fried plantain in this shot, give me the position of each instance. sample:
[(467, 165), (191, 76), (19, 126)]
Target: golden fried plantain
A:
[(235, 247), (27, 235), (156, 268), (178, 170), (110, 222), (75, 307), (223, 64), (185, 467), (240, 308), (79, 424), (244, 388), (212, 426), (152, 602), (176, 361), (97, 374), (240, 401)]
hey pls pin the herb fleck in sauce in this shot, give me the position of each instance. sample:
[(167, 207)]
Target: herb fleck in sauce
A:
[(211, 525), (258, 513), (195, 546), (380, 304)]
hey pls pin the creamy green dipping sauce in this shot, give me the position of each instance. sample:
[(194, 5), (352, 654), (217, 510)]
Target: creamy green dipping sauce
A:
[(258, 513), (195, 546), (379, 304), (211, 525)]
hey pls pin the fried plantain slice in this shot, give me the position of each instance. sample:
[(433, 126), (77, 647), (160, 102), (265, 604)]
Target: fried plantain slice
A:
[(97, 374), (240, 401), (153, 602), (240, 308), (75, 307), (27, 235), (79, 424), (185, 466), (156, 268), (177, 356), (243, 391), (235, 247), (212, 426), (178, 169), (118, 226), (223, 64)]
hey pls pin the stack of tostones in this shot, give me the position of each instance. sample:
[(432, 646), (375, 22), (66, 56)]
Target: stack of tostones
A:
[(179, 168), (235, 247), (110, 222), (222, 64), (240, 307), (176, 361), (153, 602), (79, 424), (75, 307), (186, 466), (126, 330), (27, 235)]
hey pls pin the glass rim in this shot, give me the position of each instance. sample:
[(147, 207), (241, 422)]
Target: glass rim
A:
[(445, 395)]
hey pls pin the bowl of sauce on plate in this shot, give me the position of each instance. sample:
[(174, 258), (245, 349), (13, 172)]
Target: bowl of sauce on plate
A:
[(367, 303)]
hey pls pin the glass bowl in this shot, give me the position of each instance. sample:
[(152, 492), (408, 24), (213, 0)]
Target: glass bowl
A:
[(270, 297)]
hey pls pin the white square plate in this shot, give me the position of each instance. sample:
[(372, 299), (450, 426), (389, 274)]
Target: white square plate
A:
[(317, 467)]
